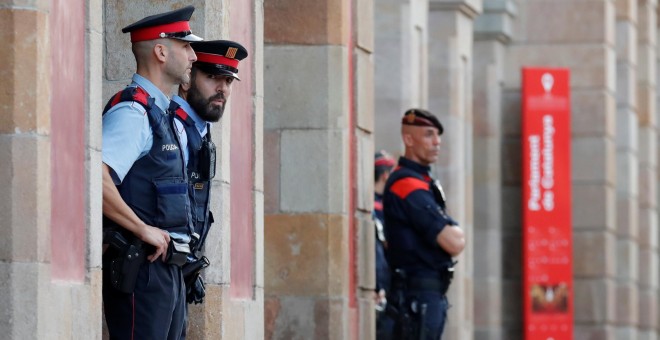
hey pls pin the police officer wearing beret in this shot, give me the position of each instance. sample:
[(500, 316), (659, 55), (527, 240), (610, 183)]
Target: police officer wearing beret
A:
[(422, 238), (147, 214), (201, 102)]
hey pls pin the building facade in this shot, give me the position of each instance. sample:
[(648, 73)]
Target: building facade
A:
[(324, 86)]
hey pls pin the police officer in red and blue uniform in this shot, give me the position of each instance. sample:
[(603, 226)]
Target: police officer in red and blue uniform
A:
[(383, 164), (200, 102), (146, 208), (422, 238)]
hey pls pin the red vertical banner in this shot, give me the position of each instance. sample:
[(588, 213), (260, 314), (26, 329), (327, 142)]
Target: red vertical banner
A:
[(546, 186)]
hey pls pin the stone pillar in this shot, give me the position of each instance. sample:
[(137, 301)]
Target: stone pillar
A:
[(627, 273), (554, 35), (401, 58), (362, 168), (492, 32), (39, 276), (315, 52), (450, 98), (25, 174), (647, 139)]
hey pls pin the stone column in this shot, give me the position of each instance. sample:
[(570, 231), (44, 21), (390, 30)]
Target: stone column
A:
[(312, 60), (492, 32), (647, 139), (39, 276), (450, 98), (627, 293), (401, 62), (555, 34), (25, 174), (362, 129)]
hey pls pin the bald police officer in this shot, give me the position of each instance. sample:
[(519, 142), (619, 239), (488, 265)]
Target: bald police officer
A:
[(202, 101), (146, 207), (422, 238)]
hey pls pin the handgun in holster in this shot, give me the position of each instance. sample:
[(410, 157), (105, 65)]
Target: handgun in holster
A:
[(409, 314), (126, 265)]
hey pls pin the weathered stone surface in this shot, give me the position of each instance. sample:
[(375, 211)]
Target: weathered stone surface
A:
[(627, 218), (593, 113), (305, 22), (25, 90), (364, 26), (592, 65), (600, 332), (324, 174), (272, 171), (627, 297), (595, 254), (596, 204), (593, 160), (306, 255), (594, 301), (319, 100), (365, 171), (627, 260), (595, 19), (366, 255), (364, 90)]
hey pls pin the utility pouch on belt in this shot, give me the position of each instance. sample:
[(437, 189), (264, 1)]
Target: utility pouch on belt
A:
[(177, 253), (207, 160), (125, 267)]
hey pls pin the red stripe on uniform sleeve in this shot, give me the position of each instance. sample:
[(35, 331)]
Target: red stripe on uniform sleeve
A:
[(405, 186)]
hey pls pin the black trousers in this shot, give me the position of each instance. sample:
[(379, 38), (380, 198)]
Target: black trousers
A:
[(155, 310)]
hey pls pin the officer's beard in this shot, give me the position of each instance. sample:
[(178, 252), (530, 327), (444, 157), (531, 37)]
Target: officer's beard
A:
[(204, 107)]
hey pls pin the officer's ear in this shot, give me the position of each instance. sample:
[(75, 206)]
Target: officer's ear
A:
[(160, 51), (407, 139)]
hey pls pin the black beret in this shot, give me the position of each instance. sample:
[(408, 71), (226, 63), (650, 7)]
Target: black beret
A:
[(173, 24), (421, 117), (219, 56)]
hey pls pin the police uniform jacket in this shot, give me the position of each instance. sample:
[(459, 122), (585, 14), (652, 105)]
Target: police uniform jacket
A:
[(155, 186), (413, 220)]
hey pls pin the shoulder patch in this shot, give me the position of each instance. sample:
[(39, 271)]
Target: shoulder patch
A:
[(407, 185), (378, 206)]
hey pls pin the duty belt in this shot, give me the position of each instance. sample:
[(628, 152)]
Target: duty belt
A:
[(431, 284)]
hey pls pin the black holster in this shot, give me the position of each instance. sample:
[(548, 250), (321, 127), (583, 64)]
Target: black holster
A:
[(125, 265), (195, 288), (408, 314)]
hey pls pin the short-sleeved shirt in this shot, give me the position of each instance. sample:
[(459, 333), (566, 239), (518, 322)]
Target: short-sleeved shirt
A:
[(127, 135), (413, 219), (200, 124)]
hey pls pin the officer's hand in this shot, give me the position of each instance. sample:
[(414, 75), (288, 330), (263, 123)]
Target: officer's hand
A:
[(156, 237)]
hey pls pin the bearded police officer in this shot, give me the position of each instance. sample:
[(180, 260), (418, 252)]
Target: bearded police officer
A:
[(422, 238), (201, 102), (147, 213)]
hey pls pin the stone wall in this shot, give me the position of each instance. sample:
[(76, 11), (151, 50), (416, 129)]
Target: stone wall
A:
[(317, 170)]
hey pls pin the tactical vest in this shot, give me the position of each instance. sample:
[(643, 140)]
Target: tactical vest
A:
[(201, 170), (156, 186), (407, 247)]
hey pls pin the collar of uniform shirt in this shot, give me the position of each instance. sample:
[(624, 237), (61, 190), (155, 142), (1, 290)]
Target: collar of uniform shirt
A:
[(200, 124), (422, 169), (162, 101)]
